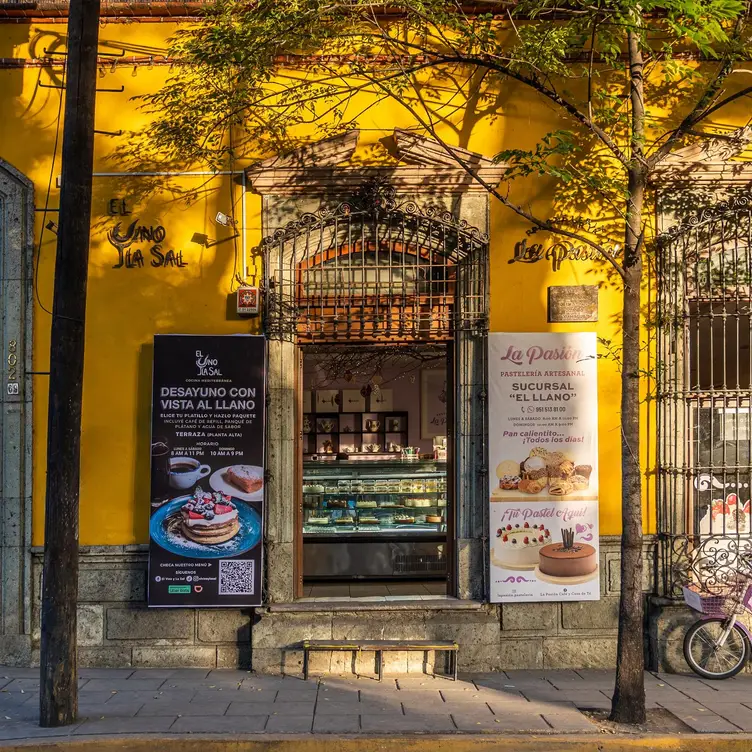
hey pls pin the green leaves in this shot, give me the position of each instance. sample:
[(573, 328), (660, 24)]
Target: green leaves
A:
[(540, 161)]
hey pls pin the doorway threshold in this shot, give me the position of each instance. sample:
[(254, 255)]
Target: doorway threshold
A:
[(379, 603)]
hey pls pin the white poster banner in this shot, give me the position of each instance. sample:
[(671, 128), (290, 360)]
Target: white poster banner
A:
[(543, 462)]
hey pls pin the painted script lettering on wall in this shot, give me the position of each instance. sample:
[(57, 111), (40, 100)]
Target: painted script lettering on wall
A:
[(139, 242), (556, 253)]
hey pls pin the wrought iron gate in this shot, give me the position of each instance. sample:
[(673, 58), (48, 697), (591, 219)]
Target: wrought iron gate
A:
[(704, 383), (370, 269)]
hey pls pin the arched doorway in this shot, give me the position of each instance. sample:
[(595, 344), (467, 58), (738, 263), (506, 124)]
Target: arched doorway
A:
[(371, 280), (16, 248)]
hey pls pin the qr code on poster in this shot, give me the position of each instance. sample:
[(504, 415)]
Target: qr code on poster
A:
[(236, 577)]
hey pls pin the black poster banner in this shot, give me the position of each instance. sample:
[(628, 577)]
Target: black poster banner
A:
[(207, 471)]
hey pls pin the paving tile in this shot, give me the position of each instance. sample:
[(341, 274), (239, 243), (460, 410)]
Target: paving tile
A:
[(262, 696), (226, 673), (20, 672), (30, 730), (380, 708), (297, 724), (425, 708), (494, 724), (569, 722), (132, 685), (256, 708), (337, 708), (338, 694), (21, 712), (295, 695), (269, 684), (433, 724), (184, 695), (421, 682), (108, 710), (125, 725), (184, 708), (206, 724), (342, 724), (735, 713), (103, 673), (216, 685), (705, 723), (28, 685), (470, 708), (293, 708), (170, 673)]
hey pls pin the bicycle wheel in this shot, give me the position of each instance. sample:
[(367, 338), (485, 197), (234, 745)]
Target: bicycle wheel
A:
[(711, 661)]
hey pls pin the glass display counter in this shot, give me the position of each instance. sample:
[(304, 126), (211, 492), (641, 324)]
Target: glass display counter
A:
[(374, 519)]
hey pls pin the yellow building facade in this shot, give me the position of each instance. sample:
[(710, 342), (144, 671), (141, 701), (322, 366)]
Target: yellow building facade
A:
[(192, 291)]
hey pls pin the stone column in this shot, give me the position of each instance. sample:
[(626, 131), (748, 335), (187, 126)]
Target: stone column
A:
[(16, 249)]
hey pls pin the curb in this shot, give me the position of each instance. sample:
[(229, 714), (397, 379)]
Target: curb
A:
[(426, 743)]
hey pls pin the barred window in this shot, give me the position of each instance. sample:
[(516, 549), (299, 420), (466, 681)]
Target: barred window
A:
[(705, 383)]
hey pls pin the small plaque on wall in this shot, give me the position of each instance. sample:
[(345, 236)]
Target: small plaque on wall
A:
[(570, 303)]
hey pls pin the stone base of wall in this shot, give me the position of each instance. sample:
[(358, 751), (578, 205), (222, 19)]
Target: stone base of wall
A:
[(115, 628)]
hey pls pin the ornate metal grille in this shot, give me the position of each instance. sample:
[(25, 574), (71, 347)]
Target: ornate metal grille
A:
[(704, 414), (372, 269)]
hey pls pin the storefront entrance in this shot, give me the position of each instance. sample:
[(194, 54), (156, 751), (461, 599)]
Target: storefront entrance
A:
[(376, 504), (377, 322)]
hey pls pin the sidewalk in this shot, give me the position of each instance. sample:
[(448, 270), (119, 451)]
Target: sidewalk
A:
[(197, 701)]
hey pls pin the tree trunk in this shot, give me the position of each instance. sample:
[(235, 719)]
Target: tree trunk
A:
[(58, 696), (628, 705)]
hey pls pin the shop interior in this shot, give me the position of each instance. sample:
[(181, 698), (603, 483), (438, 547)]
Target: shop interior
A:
[(376, 502)]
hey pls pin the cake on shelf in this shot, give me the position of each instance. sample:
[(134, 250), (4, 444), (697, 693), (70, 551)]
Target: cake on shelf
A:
[(518, 545), (568, 558), (433, 518), (368, 520), (403, 519), (418, 503), (209, 518), (344, 521), (366, 504), (317, 521)]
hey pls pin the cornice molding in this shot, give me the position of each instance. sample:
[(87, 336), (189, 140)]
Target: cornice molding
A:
[(343, 180), (424, 167), (703, 173)]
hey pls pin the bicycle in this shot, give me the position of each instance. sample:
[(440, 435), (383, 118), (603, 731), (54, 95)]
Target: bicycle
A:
[(718, 646)]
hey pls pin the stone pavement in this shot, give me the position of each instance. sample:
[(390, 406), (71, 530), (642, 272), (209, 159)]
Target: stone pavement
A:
[(199, 701)]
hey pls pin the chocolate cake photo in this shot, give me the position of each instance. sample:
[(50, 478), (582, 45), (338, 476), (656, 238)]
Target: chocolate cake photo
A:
[(567, 562)]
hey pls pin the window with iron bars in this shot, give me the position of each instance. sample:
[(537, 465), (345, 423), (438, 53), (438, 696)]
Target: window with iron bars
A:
[(705, 368)]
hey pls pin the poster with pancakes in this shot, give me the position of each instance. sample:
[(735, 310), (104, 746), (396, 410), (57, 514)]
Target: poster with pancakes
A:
[(207, 471), (543, 467)]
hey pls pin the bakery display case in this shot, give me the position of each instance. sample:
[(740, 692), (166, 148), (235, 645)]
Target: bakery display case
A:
[(374, 519)]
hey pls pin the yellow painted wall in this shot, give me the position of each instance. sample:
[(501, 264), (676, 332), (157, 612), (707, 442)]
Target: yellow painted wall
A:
[(126, 307)]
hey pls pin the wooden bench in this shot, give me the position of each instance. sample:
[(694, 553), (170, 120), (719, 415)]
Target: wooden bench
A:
[(381, 646)]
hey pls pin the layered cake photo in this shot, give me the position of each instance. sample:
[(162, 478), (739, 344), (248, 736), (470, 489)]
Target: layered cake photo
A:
[(568, 560), (517, 546), (209, 518)]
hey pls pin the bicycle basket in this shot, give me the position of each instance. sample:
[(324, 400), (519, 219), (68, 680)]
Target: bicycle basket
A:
[(736, 600)]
